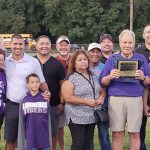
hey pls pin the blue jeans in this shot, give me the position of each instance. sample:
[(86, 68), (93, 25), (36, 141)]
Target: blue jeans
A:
[(39, 148), (143, 133), (103, 130)]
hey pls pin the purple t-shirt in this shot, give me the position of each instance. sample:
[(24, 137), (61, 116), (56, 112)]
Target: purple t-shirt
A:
[(35, 110), (3, 86), (125, 86)]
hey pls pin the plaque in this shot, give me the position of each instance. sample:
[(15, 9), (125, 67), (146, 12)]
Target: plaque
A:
[(127, 68)]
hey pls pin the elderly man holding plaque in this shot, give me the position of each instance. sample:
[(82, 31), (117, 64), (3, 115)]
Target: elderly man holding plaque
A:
[(125, 74)]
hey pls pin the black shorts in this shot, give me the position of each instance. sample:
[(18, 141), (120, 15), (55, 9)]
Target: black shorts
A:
[(11, 129), (54, 120), (1, 119), (11, 121)]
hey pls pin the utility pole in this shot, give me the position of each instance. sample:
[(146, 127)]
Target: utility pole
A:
[(131, 15)]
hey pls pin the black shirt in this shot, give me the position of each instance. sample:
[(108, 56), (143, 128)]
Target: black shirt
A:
[(53, 72), (144, 51)]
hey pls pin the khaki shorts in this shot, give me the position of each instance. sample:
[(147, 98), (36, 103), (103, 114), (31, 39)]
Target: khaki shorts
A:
[(124, 110)]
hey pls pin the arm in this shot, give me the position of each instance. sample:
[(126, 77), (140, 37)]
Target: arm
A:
[(61, 80), (106, 80), (146, 80), (140, 75), (44, 88), (60, 107), (145, 99), (114, 74), (144, 73), (62, 101), (101, 98), (67, 93), (109, 72)]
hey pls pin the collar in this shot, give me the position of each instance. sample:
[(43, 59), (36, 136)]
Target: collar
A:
[(29, 94), (24, 58)]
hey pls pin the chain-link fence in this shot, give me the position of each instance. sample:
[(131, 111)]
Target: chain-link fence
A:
[(75, 47)]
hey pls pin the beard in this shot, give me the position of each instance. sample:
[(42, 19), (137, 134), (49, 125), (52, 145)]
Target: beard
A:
[(63, 53), (44, 53)]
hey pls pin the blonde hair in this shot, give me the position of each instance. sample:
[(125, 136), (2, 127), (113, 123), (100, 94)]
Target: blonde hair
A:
[(127, 31)]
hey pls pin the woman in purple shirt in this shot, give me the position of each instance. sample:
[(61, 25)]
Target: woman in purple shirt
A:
[(125, 93), (3, 86)]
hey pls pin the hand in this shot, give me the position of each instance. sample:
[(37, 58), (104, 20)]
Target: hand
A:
[(60, 108), (92, 103), (47, 95), (114, 74), (100, 100), (146, 109), (139, 75)]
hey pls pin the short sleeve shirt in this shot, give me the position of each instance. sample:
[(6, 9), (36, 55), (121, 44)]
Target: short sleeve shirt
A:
[(53, 72), (16, 73), (81, 114)]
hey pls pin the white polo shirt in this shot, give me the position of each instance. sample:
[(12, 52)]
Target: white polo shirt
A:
[(16, 73)]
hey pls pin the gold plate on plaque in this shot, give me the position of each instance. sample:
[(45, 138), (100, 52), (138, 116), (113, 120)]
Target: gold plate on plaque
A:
[(127, 68)]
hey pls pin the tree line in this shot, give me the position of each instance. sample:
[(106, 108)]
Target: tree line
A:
[(83, 21)]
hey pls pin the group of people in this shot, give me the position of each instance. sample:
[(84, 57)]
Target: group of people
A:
[(40, 94)]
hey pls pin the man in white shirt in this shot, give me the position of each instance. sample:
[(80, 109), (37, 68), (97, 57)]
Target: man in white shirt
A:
[(18, 66)]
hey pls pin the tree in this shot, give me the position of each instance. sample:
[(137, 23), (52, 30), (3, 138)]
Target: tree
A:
[(21, 16), (82, 20)]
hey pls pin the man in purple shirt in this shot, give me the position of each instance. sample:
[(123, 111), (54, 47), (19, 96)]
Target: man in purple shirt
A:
[(125, 93)]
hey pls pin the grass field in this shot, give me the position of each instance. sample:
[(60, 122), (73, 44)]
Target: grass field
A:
[(96, 143)]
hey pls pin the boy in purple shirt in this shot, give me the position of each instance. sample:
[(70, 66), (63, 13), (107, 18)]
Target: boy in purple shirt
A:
[(34, 116), (2, 87)]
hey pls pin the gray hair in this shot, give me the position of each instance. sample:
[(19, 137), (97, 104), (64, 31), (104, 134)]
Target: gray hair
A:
[(127, 31)]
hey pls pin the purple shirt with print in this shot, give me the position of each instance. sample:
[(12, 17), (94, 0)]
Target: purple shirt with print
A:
[(125, 87), (35, 110), (3, 86)]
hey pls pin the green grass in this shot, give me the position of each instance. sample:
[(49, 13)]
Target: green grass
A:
[(96, 142)]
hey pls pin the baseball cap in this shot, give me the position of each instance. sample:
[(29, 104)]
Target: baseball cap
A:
[(62, 38), (94, 45), (106, 36)]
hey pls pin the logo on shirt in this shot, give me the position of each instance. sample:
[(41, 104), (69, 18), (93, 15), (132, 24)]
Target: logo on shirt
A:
[(34, 107)]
